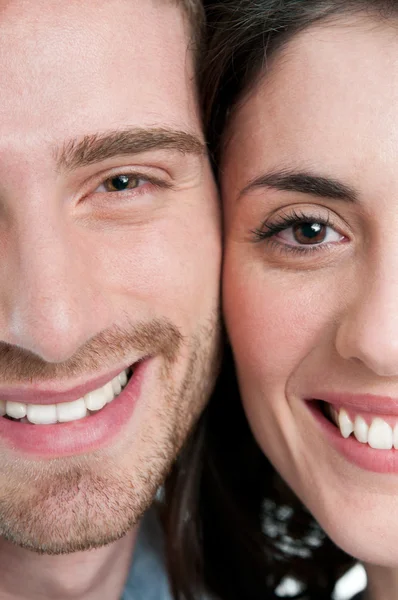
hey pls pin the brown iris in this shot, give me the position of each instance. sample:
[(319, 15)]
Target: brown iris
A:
[(309, 233), (120, 183)]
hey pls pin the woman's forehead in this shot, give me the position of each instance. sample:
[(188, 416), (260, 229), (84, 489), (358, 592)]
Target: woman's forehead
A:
[(330, 100)]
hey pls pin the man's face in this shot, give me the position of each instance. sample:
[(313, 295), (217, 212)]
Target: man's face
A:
[(110, 252)]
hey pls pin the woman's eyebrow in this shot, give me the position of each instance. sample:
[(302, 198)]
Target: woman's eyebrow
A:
[(303, 183), (91, 149)]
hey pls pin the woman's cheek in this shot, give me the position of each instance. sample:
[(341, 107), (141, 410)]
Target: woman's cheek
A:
[(275, 318)]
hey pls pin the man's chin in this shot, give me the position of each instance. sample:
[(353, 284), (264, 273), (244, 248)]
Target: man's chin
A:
[(74, 518), (56, 544)]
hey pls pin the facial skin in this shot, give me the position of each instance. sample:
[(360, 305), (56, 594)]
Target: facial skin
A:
[(93, 280), (323, 319)]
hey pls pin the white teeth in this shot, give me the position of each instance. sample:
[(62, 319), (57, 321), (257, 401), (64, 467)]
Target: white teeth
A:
[(380, 435), (71, 411), (345, 424), (95, 400), (108, 391), (46, 414), (16, 410), (361, 429), (116, 386), (123, 378), (42, 414)]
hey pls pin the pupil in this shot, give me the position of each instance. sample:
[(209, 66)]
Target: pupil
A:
[(311, 230), (120, 182), (306, 233)]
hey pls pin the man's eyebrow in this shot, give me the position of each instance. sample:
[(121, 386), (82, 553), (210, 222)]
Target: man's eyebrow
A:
[(303, 183), (90, 149)]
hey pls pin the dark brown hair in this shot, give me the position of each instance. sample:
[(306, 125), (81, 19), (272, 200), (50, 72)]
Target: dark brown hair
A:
[(234, 528)]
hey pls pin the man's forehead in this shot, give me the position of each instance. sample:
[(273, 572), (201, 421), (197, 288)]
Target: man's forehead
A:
[(48, 11), (105, 64), (116, 19), (140, 24)]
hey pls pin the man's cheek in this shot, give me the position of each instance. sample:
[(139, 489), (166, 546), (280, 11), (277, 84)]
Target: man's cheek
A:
[(154, 277)]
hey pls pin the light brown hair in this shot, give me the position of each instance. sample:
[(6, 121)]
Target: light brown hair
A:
[(195, 13)]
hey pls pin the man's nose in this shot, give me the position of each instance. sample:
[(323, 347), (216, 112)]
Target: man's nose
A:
[(368, 329), (51, 303)]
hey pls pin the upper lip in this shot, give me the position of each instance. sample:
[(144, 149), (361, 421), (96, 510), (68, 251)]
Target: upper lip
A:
[(50, 392), (361, 402)]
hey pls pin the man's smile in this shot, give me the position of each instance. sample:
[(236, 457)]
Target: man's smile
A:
[(71, 426), (42, 413)]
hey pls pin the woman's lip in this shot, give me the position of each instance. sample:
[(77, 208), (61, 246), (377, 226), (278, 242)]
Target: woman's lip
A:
[(77, 437), (36, 393), (367, 403), (361, 455)]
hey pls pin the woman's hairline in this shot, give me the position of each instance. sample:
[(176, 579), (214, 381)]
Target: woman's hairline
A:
[(278, 53)]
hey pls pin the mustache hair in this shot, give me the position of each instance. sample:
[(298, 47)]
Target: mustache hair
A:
[(108, 348)]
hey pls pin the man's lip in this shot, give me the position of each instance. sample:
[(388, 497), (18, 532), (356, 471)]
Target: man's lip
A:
[(361, 402), (52, 392)]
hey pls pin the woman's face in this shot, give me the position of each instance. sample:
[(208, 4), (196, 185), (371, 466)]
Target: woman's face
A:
[(310, 188)]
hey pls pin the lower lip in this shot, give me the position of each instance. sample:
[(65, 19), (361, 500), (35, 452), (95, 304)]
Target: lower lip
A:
[(77, 437), (361, 455)]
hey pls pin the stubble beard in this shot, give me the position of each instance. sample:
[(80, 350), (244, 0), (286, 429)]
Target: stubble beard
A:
[(80, 503)]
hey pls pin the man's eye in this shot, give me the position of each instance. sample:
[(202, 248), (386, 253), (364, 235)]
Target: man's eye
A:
[(119, 183)]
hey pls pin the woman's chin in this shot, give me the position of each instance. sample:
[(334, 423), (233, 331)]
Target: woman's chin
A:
[(365, 528)]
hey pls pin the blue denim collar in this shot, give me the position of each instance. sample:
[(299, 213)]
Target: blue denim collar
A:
[(148, 577)]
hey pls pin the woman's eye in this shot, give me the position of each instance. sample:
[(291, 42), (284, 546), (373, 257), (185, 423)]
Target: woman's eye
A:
[(307, 233), (119, 183)]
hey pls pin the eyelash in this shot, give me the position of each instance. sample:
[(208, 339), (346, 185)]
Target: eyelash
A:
[(269, 230)]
